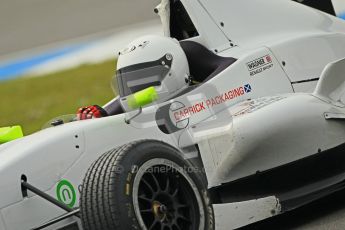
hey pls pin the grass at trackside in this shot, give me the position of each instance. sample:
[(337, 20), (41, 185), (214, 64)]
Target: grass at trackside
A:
[(31, 102)]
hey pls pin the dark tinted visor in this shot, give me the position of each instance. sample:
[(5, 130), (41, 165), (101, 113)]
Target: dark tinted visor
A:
[(141, 76)]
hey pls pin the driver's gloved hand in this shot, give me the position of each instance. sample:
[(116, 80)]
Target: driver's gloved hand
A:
[(89, 112)]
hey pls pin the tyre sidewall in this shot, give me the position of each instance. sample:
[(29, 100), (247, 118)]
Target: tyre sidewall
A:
[(134, 158)]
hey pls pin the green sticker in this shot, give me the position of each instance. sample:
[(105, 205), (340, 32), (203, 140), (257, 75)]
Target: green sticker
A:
[(65, 193), (142, 98)]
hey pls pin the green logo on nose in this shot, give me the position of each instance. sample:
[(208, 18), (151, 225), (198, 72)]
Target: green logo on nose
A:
[(65, 193)]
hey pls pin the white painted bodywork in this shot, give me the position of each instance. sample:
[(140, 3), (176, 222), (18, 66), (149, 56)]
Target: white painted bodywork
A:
[(250, 145), (251, 211), (236, 137), (46, 164)]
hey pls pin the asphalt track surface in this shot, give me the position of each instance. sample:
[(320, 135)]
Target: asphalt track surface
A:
[(26, 24)]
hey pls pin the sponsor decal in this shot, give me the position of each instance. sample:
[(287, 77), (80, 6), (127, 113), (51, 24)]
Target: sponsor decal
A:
[(260, 65), (131, 49), (144, 44), (254, 105), (174, 112), (65, 193), (247, 88), (181, 114)]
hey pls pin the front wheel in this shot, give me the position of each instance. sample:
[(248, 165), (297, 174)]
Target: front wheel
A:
[(144, 185)]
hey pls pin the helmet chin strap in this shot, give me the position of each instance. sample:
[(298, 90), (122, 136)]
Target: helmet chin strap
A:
[(164, 12)]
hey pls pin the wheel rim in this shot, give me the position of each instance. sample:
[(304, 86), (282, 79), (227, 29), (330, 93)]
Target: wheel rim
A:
[(166, 198)]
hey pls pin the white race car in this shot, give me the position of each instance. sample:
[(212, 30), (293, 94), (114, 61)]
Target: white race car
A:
[(261, 131)]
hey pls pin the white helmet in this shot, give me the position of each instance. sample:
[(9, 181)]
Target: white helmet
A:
[(151, 68)]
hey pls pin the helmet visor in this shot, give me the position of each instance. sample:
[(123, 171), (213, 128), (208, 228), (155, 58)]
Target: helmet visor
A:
[(135, 78)]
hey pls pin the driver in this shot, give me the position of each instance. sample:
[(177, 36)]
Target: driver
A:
[(150, 69)]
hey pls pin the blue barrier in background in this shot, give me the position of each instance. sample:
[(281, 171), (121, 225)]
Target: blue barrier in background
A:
[(21, 66), (342, 16)]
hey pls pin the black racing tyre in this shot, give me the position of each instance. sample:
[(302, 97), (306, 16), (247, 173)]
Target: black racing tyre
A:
[(144, 185)]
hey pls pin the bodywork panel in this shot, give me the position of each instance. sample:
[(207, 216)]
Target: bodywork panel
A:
[(265, 138), (251, 210), (259, 23)]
